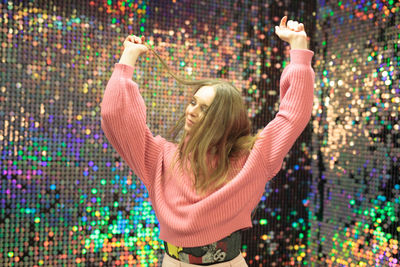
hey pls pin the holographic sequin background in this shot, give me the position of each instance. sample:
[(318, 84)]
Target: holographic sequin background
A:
[(355, 193), (68, 199)]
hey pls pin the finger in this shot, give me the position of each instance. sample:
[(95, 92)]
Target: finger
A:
[(283, 22), (295, 25), (301, 27), (290, 24), (277, 30), (142, 38)]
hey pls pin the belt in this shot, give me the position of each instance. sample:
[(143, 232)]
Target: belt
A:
[(223, 250)]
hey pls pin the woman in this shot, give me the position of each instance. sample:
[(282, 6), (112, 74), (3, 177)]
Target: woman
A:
[(204, 188)]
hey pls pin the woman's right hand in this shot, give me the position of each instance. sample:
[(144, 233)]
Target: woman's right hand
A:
[(135, 44), (133, 48)]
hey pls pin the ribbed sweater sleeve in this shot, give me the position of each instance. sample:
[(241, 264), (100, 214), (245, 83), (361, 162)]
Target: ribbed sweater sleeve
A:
[(296, 95), (123, 114)]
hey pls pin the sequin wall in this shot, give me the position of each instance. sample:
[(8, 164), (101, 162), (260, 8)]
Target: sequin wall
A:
[(355, 196), (66, 196)]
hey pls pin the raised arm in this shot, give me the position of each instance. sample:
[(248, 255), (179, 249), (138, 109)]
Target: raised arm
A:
[(123, 114), (296, 87)]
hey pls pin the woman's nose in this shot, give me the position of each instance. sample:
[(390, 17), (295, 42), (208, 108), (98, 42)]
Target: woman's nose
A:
[(193, 111)]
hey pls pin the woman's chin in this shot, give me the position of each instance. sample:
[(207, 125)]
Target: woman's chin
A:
[(187, 129)]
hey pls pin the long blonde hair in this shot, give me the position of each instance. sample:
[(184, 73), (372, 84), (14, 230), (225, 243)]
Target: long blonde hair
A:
[(223, 133)]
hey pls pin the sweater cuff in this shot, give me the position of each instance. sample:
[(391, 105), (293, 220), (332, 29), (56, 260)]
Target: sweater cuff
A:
[(301, 56), (123, 70)]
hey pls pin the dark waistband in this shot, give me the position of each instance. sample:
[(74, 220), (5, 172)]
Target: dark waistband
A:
[(220, 251)]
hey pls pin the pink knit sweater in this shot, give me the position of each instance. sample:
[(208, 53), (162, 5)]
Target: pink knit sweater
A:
[(187, 219)]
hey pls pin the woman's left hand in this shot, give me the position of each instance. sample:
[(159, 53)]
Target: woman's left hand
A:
[(292, 32)]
